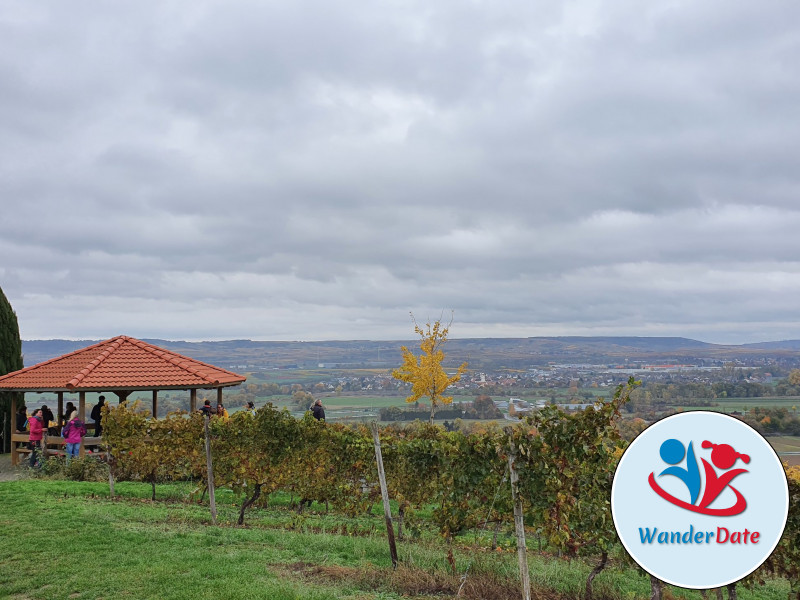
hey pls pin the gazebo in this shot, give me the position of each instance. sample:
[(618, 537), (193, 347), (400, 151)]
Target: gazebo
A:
[(119, 365)]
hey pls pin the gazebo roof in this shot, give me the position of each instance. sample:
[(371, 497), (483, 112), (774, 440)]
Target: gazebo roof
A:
[(120, 363)]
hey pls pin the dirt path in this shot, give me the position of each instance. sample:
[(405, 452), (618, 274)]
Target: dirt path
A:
[(7, 472)]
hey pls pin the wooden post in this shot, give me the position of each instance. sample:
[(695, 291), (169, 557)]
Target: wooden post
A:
[(656, 588), (387, 510), (519, 525), (210, 470), (219, 396), (192, 400), (45, 435), (82, 416), (61, 408), (14, 454), (155, 404)]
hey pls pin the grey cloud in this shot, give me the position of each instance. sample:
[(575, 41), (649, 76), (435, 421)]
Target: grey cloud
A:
[(312, 170)]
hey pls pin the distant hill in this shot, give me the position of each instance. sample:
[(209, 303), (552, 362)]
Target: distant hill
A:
[(480, 353), (649, 344), (784, 345)]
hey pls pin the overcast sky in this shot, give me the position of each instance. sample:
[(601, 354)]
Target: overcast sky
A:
[(310, 170)]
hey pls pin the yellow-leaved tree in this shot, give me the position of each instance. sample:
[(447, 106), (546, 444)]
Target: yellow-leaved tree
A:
[(425, 372)]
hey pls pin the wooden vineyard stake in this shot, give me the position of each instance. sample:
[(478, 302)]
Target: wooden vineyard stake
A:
[(387, 510), (210, 469), (519, 526)]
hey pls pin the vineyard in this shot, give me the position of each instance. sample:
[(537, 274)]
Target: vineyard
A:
[(455, 483)]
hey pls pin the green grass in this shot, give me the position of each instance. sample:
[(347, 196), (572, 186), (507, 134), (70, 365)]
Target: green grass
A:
[(69, 540), (59, 544), (345, 401)]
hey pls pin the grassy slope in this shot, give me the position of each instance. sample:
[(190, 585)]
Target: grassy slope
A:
[(68, 540), (67, 547)]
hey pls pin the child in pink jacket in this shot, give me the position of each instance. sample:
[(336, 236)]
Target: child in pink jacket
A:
[(73, 433)]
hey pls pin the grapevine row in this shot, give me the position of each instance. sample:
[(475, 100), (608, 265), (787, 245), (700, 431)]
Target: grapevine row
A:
[(565, 464)]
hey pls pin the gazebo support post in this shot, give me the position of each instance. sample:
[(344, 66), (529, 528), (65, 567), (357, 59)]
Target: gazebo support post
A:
[(219, 395), (155, 404), (82, 416), (61, 408), (14, 455), (192, 400)]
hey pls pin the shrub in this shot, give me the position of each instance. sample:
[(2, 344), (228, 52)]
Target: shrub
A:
[(88, 468)]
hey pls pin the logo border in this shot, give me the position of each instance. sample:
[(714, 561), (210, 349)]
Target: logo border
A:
[(614, 512)]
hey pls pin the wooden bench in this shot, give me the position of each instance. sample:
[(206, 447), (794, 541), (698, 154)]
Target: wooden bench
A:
[(54, 446)]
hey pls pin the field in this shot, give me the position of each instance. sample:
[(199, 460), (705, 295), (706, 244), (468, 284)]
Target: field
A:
[(787, 447), (65, 540), (790, 403), (785, 443)]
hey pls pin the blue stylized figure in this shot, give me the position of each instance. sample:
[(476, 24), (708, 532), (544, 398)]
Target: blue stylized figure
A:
[(672, 452)]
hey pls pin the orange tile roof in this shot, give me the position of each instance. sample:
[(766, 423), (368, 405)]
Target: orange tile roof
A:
[(120, 363)]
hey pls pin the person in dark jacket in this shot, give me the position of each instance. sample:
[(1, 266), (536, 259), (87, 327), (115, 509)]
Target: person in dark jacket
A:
[(207, 410), (47, 418), (97, 416), (318, 411), (22, 419), (67, 412)]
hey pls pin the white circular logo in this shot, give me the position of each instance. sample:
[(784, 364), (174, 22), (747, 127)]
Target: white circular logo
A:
[(700, 499)]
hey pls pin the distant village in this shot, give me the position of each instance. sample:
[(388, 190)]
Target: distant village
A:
[(557, 376)]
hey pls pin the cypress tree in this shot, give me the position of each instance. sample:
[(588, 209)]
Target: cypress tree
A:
[(10, 360)]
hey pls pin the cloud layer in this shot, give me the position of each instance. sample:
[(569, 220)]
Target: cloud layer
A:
[(315, 170)]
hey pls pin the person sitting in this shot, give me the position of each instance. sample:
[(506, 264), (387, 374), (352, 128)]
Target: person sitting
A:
[(67, 412), (221, 412), (22, 420), (21, 425)]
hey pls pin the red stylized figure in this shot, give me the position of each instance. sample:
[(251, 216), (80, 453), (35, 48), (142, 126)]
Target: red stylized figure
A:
[(724, 457)]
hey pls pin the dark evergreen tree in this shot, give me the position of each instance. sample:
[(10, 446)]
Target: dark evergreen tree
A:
[(10, 360)]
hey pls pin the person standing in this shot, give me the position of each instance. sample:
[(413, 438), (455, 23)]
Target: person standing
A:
[(36, 428), (73, 434), (206, 409), (97, 416), (222, 412), (318, 411), (48, 420), (251, 408)]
